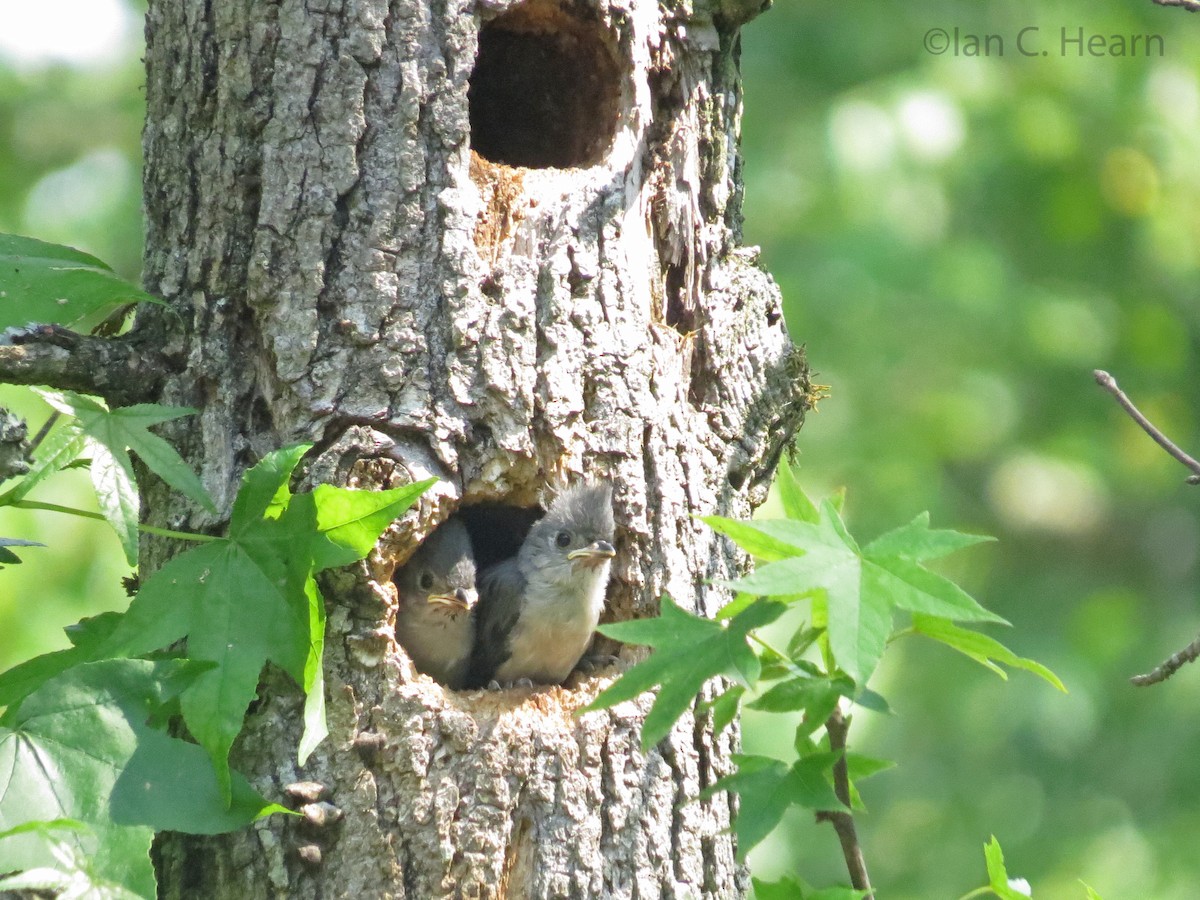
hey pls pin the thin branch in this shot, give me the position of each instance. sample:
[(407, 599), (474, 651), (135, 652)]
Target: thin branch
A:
[(86, 514), (1109, 383), (843, 822), (117, 369), (44, 430), (1170, 666), (1189, 5)]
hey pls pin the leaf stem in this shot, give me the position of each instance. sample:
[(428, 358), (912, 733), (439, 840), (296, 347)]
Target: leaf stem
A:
[(795, 669), (83, 513)]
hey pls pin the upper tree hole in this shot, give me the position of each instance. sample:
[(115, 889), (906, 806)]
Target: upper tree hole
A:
[(545, 90)]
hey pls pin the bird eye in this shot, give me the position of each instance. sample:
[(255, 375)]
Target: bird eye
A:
[(563, 539), (425, 582)]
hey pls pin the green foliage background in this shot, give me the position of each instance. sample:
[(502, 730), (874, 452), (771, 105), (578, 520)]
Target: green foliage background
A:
[(960, 241)]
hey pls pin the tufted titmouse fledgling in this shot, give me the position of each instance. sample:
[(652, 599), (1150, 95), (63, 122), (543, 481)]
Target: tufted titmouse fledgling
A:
[(538, 610), (435, 621)]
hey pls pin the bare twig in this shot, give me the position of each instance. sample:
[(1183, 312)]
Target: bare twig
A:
[(44, 430), (1189, 5), (843, 822), (1170, 666), (1109, 383)]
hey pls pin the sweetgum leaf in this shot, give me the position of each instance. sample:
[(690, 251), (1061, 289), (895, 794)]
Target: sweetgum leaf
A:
[(250, 598), (984, 650), (767, 787), (110, 435), (861, 588), (796, 503), (689, 650), (66, 745), (52, 284)]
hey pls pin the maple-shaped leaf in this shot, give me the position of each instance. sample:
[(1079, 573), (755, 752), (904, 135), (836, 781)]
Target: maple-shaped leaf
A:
[(856, 590), (86, 638), (109, 435), (688, 651), (250, 598), (73, 875), (78, 748), (767, 787), (51, 284), (984, 650)]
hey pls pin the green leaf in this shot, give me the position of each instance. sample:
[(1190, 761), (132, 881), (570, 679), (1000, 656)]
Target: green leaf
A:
[(796, 504), (860, 767), (92, 631), (170, 785), (109, 436), (760, 783), (56, 452), (689, 650), (234, 607), (63, 749), (352, 520), (86, 637), (74, 875), (725, 707), (10, 558), (250, 598), (767, 787), (127, 428), (1092, 894), (315, 728), (798, 693), (921, 591), (52, 284), (984, 650), (116, 493), (998, 880), (917, 541), (755, 540), (859, 590), (264, 491)]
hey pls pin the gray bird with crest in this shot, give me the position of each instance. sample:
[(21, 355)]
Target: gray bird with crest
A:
[(538, 610)]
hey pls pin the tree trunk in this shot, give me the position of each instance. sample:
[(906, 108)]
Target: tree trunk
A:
[(496, 244)]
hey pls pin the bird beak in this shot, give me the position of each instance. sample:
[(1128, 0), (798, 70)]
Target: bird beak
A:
[(593, 554), (460, 600)]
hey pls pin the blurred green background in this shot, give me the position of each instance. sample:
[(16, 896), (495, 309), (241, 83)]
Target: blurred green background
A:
[(960, 241)]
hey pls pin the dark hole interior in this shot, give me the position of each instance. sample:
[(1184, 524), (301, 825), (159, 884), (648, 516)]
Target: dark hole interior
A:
[(544, 92), (497, 530)]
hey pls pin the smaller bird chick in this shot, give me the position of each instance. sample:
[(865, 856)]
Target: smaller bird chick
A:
[(435, 621)]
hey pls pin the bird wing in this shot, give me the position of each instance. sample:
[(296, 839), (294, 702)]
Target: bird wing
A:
[(501, 588)]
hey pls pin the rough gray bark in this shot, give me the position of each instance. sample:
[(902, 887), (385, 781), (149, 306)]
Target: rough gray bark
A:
[(344, 269)]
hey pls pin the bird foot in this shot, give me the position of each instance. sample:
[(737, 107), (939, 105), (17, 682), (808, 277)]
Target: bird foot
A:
[(591, 664), (495, 685)]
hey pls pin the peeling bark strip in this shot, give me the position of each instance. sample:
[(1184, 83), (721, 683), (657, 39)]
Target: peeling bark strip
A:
[(568, 299)]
